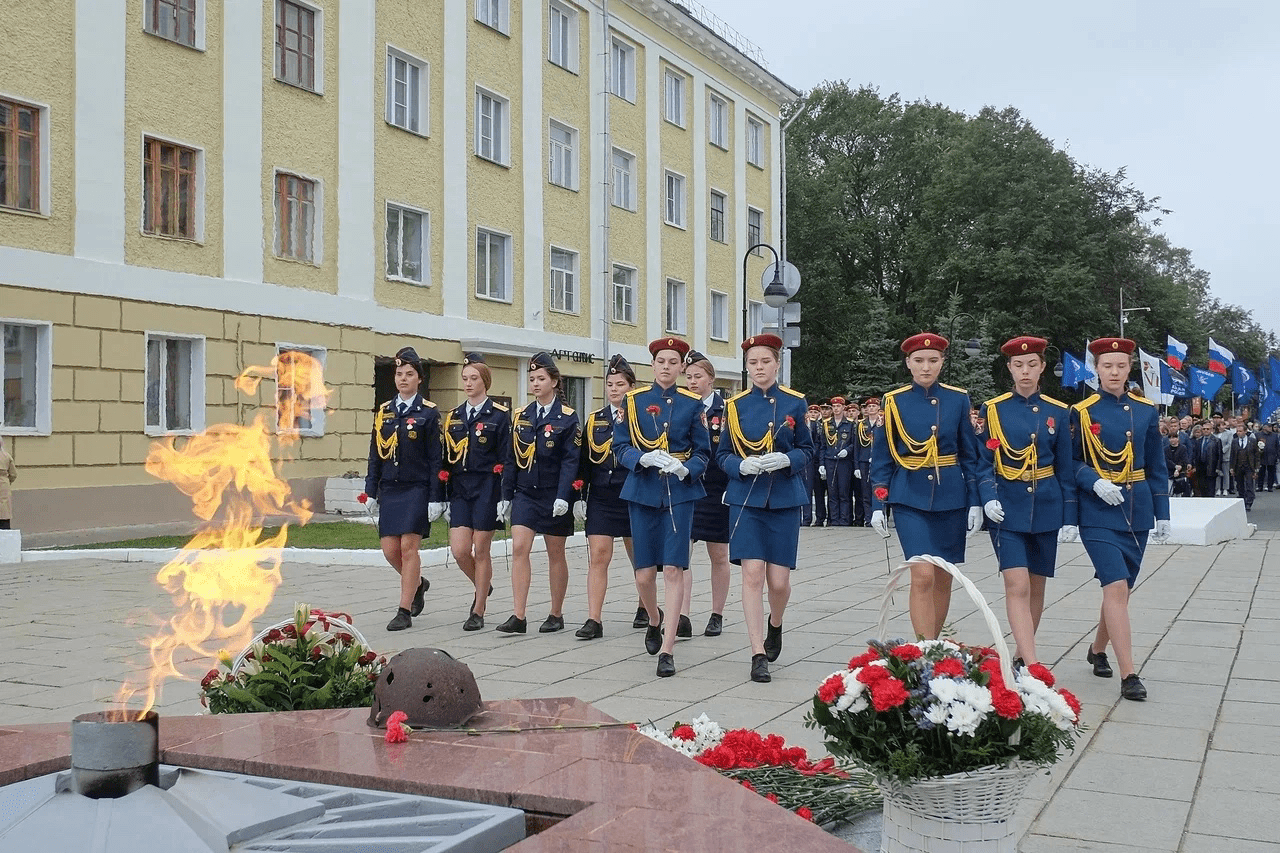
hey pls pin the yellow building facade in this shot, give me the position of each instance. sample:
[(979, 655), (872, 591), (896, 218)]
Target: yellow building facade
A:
[(210, 184)]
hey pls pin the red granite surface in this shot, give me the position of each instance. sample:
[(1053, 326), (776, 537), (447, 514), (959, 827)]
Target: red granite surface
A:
[(592, 789)]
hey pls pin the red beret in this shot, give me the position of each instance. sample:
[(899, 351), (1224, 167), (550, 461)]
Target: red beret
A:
[(1102, 346), (676, 344), (870, 400), (924, 340), (770, 341), (839, 400), (1025, 345), (814, 407)]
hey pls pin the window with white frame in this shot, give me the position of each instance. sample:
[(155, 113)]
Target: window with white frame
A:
[(174, 384), (495, 14), (27, 367), (564, 281), (24, 150), (171, 190), (300, 391), (407, 91), (624, 170), (175, 20), (675, 306), (755, 229), (719, 316), (297, 226), (718, 121), (755, 142), (622, 69), (407, 242), (575, 392), (718, 202), (493, 265), (563, 35), (673, 85), (624, 294), (491, 126), (562, 170), (755, 318), (299, 45), (675, 199)]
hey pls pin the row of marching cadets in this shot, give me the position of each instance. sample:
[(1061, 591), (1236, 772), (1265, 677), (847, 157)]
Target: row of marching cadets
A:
[(843, 433)]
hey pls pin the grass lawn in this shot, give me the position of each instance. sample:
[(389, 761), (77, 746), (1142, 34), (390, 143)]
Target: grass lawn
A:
[(330, 534)]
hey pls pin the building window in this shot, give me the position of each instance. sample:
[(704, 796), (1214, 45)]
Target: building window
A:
[(624, 294), (718, 122), (20, 149), (175, 384), (622, 69), (563, 33), (491, 126), (493, 265), (719, 316), (495, 14), (174, 20), (755, 318), (407, 88), (297, 50), (674, 85), (27, 367), (675, 200), (717, 216), (170, 189), (300, 391), (675, 306), (755, 142), (296, 204), (755, 229), (575, 392), (563, 168), (564, 281), (624, 169), (406, 244)]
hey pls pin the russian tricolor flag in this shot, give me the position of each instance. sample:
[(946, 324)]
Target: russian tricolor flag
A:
[(1175, 353), (1220, 358)]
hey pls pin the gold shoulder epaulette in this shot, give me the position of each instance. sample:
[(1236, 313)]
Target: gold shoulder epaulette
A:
[(897, 390), (739, 394), (954, 388), (1049, 399), (500, 407), (688, 393), (1087, 402), (1141, 399), (793, 392), (428, 404), (639, 389), (565, 409), (1005, 396)]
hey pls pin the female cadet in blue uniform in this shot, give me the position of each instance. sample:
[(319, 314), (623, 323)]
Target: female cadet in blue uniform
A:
[(1027, 487), (545, 440), (764, 454), (925, 464), (601, 506), (838, 465), (710, 514), (1123, 489), (404, 478), (477, 449), (662, 440)]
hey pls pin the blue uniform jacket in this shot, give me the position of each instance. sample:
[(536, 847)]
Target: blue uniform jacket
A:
[(837, 437), (1032, 504), (940, 410), (863, 440), (1127, 418), (598, 465), (715, 480), (416, 455), (549, 448), (757, 413), (479, 446), (679, 416)]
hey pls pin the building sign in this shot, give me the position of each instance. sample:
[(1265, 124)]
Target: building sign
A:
[(566, 355)]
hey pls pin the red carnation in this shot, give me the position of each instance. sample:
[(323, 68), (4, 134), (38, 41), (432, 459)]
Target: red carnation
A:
[(864, 659), (993, 444), (363, 498), (208, 679), (366, 658), (831, 689), (746, 783), (907, 652), (806, 813), (1041, 672), (881, 493), (444, 476), (948, 666), (397, 731), (873, 674), (1096, 429), (888, 693), (1007, 703), (497, 469), (654, 410), (577, 485), (1072, 702), (683, 733), (771, 797), (791, 422)]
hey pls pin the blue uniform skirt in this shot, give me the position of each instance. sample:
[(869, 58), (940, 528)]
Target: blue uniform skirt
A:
[(402, 508), (710, 519), (532, 508), (660, 535), (473, 500), (1035, 552), (1116, 554), (940, 534), (607, 512), (759, 533)]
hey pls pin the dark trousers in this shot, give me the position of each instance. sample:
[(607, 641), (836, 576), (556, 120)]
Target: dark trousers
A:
[(806, 511), (860, 512), (1244, 486), (819, 499), (840, 492), (1267, 477)]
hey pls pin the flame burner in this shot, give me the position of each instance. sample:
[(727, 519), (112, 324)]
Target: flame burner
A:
[(114, 754)]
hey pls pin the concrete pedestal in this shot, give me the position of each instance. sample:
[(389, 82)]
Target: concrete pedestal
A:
[(1207, 521), (10, 546), (340, 496)]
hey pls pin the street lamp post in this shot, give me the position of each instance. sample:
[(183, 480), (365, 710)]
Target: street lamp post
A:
[(1124, 312), (973, 346), (775, 294)]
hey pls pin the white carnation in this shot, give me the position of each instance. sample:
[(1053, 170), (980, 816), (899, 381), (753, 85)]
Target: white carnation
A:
[(963, 718)]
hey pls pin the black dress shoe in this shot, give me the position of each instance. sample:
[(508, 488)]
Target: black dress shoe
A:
[(400, 621), (652, 639), (474, 622), (714, 625), (1101, 667), (773, 642), (1131, 687), (590, 630), (423, 586), (760, 669), (513, 625), (685, 629), (666, 665), (474, 600), (642, 618), (553, 624)]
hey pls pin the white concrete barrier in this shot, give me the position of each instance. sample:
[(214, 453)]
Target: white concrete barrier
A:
[(1207, 521), (10, 546)]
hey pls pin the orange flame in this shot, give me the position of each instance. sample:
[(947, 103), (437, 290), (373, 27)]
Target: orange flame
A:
[(226, 576)]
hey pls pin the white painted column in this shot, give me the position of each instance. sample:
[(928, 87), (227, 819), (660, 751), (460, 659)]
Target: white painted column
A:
[(534, 129), (100, 147), (701, 189), (455, 217), (357, 207), (242, 182), (655, 194)]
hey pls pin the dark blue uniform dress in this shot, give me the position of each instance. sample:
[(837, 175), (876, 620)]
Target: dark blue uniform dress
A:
[(818, 486), (710, 515), (863, 439), (838, 437), (404, 466), (661, 505), (925, 458), (477, 450), (764, 509), (1025, 463), (545, 460), (602, 477), (1118, 438)]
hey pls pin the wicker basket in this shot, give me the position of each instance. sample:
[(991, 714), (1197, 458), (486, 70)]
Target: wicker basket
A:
[(338, 622)]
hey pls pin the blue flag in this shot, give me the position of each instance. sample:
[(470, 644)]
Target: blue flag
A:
[(1173, 381), (1268, 399), (1074, 371), (1273, 365), (1204, 383), (1243, 383)]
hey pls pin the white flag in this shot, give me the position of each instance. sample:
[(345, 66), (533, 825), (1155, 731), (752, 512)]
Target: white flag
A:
[(1090, 366), (1150, 376)]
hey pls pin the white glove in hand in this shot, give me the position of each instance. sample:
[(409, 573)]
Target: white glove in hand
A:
[(435, 510), (1109, 492), (680, 471), (857, 473), (580, 510), (775, 461), (1068, 533), (822, 472), (878, 523), (504, 511), (843, 453), (652, 459), (1163, 529), (371, 507), (559, 508), (994, 511), (975, 519), (750, 466)]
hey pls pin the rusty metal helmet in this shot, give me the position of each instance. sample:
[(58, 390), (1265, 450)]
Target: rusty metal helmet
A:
[(430, 687)]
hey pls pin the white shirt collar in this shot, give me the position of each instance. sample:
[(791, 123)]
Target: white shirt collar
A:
[(709, 399)]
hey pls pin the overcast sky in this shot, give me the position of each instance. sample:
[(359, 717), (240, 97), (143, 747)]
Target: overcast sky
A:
[(1182, 93)]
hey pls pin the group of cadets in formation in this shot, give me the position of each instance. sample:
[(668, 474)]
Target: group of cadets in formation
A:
[(662, 466)]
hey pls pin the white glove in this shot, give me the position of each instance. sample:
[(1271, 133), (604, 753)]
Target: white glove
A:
[(724, 499), (775, 461), (1162, 531), (435, 509), (652, 459), (371, 507), (1109, 492), (447, 513), (857, 473), (504, 511), (975, 519), (1068, 533), (559, 508), (994, 511), (750, 466), (878, 524), (822, 472), (580, 510), (843, 453)]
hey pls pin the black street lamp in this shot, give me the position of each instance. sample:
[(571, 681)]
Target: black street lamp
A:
[(973, 346), (775, 295)]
